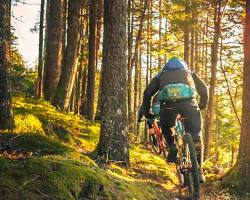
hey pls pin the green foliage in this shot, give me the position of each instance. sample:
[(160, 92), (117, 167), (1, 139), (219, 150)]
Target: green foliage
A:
[(22, 79)]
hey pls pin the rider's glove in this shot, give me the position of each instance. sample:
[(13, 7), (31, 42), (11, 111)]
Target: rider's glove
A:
[(149, 115)]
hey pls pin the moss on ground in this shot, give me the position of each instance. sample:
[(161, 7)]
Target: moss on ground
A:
[(60, 167)]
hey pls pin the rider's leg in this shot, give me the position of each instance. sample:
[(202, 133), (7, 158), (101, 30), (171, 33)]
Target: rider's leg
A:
[(167, 121), (193, 125)]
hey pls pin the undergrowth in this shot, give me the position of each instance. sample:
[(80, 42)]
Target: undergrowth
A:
[(59, 165)]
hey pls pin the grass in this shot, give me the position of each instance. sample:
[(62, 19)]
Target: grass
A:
[(60, 167)]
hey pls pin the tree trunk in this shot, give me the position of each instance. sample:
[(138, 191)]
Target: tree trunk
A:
[(214, 61), (191, 65), (139, 93), (6, 116), (53, 46), (39, 87), (83, 108), (134, 60), (186, 36), (241, 170), (98, 41), (244, 147), (65, 86), (64, 30), (136, 94), (130, 68), (160, 36), (113, 144), (92, 61)]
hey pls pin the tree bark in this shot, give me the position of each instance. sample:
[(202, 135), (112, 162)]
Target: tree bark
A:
[(187, 36), (66, 83), (160, 37), (244, 147), (98, 41), (6, 116), (134, 59), (92, 61), (130, 68), (113, 143), (243, 161), (53, 46), (39, 88), (214, 61)]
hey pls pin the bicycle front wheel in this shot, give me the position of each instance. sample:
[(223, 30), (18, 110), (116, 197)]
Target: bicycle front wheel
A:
[(191, 175)]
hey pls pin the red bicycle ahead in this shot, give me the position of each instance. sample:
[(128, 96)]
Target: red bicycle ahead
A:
[(156, 138)]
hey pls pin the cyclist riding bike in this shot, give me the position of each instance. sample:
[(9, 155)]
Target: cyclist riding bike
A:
[(177, 87), (154, 110)]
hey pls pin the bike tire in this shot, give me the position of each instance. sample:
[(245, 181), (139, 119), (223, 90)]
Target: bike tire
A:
[(193, 182), (165, 148), (154, 141)]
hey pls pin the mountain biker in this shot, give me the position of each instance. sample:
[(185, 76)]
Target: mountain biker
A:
[(177, 87), (155, 110)]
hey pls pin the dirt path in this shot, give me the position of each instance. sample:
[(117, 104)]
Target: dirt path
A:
[(154, 168)]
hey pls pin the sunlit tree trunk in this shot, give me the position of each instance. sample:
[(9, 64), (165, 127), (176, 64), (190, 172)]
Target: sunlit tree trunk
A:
[(214, 61), (160, 36), (244, 147), (83, 107), (136, 94), (66, 83), (91, 61), (187, 35), (134, 61), (53, 47), (146, 139), (130, 68), (139, 91), (6, 116), (192, 45), (39, 86), (98, 42), (113, 143), (64, 29)]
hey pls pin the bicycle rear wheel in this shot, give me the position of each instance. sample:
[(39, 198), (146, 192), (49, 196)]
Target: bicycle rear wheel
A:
[(155, 143), (191, 174)]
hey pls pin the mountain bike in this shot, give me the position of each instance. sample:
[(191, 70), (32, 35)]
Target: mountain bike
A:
[(157, 140), (186, 164)]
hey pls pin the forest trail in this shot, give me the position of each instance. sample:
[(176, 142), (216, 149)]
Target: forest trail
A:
[(209, 191), (52, 150)]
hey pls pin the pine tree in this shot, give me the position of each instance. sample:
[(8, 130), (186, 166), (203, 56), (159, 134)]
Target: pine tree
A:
[(67, 78), (113, 143), (244, 148), (53, 47)]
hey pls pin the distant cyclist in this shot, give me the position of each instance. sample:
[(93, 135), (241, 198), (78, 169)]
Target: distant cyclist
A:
[(154, 111), (177, 87)]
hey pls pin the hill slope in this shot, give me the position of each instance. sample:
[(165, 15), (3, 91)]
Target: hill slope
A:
[(48, 156)]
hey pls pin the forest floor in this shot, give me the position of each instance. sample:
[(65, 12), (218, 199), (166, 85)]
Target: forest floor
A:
[(49, 156)]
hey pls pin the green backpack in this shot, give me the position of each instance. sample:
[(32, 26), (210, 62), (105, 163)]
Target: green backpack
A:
[(176, 92)]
